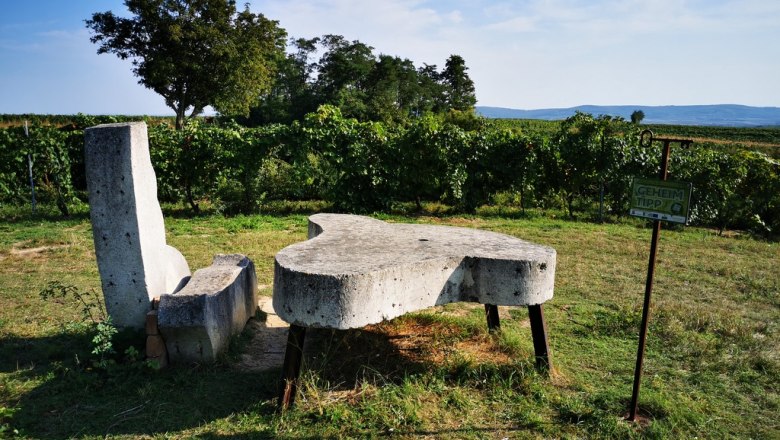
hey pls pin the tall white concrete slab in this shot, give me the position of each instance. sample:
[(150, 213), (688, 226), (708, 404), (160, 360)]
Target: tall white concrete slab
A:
[(135, 263)]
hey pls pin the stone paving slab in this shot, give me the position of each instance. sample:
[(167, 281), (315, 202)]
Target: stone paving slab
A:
[(265, 351)]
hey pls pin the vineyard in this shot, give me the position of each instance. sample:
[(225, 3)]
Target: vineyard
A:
[(764, 139), (581, 165), (78, 121)]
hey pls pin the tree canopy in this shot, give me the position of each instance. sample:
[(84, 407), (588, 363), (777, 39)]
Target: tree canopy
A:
[(637, 116), (459, 88), (362, 85), (195, 53)]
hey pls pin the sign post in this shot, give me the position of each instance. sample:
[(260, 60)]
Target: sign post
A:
[(660, 200)]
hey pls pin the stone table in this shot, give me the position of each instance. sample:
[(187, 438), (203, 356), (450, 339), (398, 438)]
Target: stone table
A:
[(355, 270)]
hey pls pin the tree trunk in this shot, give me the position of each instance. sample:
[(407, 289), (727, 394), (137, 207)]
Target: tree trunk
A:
[(522, 200), (190, 199), (181, 115), (179, 120)]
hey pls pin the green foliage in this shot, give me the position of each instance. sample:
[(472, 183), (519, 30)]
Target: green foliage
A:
[(730, 190), (53, 153), (351, 156), (362, 85), (103, 343), (590, 152), (194, 53), (421, 160), (93, 315), (455, 158), (5, 428), (459, 88), (531, 127), (75, 122)]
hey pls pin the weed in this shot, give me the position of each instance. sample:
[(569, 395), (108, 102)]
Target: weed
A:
[(94, 320), (90, 303)]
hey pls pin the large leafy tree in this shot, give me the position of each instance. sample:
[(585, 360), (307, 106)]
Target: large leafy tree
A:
[(343, 74), (432, 97), (194, 53), (293, 94), (459, 88), (393, 89)]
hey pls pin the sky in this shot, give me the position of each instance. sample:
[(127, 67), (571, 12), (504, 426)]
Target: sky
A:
[(524, 54)]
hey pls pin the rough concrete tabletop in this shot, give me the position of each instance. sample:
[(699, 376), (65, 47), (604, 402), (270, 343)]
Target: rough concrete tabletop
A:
[(355, 271)]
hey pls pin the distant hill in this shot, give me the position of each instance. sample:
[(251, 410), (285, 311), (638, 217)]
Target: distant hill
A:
[(730, 115)]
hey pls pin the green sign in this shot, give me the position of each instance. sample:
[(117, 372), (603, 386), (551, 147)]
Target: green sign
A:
[(660, 200)]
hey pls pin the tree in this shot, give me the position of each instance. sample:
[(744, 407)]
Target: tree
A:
[(293, 94), (194, 53), (637, 116), (392, 89), (432, 97), (459, 88)]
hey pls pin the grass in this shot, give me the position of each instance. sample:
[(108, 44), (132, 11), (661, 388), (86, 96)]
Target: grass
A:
[(712, 367)]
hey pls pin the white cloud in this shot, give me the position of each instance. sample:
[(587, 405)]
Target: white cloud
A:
[(455, 16), (406, 28), (512, 25)]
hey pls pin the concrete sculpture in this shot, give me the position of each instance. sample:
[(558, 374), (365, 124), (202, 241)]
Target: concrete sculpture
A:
[(356, 271)]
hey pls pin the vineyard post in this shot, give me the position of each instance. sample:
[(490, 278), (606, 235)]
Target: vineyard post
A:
[(29, 167)]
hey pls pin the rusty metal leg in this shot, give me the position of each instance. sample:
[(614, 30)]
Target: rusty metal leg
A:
[(539, 334), (292, 366), (491, 313)]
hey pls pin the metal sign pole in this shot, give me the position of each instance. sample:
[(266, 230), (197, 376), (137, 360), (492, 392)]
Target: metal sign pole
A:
[(650, 274), (29, 168)]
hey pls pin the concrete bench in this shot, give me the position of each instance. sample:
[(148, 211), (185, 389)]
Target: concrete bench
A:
[(198, 321), (354, 271)]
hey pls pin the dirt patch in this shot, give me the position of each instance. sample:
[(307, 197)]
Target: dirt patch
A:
[(18, 250), (455, 221), (37, 250)]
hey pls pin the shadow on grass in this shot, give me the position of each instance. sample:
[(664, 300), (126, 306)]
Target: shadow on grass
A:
[(17, 215), (345, 358), (392, 351), (31, 356), (61, 395)]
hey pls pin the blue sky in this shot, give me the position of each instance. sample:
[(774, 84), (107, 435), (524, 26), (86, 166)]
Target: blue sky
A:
[(523, 54)]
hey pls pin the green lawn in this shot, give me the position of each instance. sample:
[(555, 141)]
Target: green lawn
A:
[(712, 366)]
